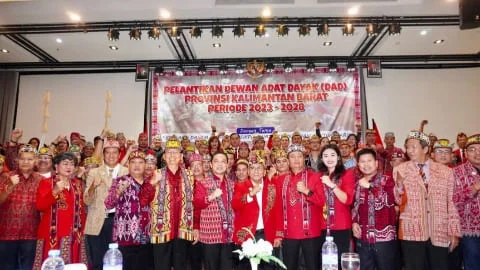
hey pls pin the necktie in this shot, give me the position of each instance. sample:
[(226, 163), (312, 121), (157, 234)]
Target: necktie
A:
[(110, 173), (463, 155), (422, 174)]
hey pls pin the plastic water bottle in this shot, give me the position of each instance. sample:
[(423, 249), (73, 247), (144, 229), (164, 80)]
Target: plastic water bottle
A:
[(113, 258), (329, 254), (54, 261)]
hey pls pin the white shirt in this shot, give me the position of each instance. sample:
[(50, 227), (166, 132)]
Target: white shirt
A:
[(260, 213)]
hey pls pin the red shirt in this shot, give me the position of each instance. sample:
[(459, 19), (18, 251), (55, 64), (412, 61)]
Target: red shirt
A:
[(342, 216), (290, 214), (19, 217)]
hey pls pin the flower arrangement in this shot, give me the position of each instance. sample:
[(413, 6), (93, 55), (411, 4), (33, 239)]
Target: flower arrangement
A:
[(257, 251)]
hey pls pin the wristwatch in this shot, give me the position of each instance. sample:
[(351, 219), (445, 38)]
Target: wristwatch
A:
[(310, 193)]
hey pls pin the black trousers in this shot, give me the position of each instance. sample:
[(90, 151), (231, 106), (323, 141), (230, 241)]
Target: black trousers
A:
[(98, 244), (419, 255), (217, 256), (137, 257), (378, 256), (17, 254), (174, 253), (342, 239), (196, 257), (311, 249)]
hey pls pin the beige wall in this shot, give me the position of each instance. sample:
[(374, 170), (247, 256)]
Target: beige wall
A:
[(77, 103), (448, 98)]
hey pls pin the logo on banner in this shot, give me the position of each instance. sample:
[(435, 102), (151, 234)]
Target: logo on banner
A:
[(255, 68)]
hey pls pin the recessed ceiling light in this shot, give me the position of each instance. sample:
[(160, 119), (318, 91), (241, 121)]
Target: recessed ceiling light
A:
[(5, 51), (266, 12), (164, 14), (327, 43), (74, 16), (58, 40), (423, 32), (113, 47), (438, 41), (352, 11), (217, 45)]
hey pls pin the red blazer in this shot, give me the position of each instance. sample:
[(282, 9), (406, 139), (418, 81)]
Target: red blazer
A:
[(246, 213), (458, 155)]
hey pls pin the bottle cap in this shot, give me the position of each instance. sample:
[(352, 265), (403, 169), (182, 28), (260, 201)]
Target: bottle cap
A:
[(53, 252), (113, 245), (329, 238)]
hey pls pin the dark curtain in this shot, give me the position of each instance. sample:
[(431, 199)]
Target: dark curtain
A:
[(8, 102)]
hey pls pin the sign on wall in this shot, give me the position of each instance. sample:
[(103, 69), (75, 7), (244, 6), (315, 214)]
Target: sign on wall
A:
[(288, 102)]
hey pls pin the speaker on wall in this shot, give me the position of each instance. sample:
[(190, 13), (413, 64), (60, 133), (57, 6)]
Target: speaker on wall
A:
[(469, 14)]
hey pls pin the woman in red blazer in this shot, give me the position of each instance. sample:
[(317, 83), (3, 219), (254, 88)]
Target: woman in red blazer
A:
[(338, 186)]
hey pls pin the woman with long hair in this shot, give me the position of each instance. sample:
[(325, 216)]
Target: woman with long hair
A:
[(214, 145), (338, 186), (353, 141), (35, 142)]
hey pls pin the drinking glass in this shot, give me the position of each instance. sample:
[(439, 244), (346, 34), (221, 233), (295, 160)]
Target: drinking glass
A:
[(350, 261)]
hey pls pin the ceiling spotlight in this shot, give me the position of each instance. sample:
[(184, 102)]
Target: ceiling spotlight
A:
[(239, 69), (113, 47), (164, 13), (159, 70), (304, 30), (175, 32), (266, 12), (260, 30), (113, 34), (282, 30), (238, 31), (58, 40), (195, 32), (348, 29), (323, 29), (202, 69), (135, 34), (154, 33), (310, 67), (74, 16), (438, 41), (327, 43), (179, 71), (287, 67), (372, 29), (394, 29), (217, 32), (350, 66), (332, 67), (4, 51), (223, 69), (270, 67)]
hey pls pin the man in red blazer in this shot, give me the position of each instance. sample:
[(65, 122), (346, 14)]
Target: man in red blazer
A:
[(253, 201), (459, 153)]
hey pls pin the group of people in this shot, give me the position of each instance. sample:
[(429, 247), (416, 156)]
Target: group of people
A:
[(189, 205)]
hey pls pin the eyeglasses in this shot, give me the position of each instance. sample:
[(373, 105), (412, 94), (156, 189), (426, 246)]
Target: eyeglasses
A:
[(443, 152), (473, 150)]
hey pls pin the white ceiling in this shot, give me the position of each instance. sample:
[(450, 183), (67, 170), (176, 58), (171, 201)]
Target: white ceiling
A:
[(94, 46)]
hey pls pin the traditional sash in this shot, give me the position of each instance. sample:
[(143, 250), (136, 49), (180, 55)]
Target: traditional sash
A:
[(329, 210), (306, 211), (77, 222), (225, 212), (186, 222)]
